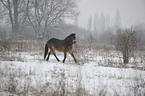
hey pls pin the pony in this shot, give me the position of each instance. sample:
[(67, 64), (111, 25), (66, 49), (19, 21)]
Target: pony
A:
[(65, 46)]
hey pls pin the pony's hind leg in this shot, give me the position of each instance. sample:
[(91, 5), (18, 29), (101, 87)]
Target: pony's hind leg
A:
[(48, 56), (55, 55), (46, 51)]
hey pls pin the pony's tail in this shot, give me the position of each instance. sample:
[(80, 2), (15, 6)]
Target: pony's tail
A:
[(46, 51)]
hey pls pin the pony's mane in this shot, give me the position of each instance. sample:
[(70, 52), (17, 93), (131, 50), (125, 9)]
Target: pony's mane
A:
[(68, 40), (73, 34)]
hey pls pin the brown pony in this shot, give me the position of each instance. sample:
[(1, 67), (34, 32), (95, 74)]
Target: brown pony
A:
[(60, 45)]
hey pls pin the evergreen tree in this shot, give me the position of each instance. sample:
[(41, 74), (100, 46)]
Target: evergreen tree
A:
[(95, 22), (118, 19), (102, 23), (108, 23), (90, 23)]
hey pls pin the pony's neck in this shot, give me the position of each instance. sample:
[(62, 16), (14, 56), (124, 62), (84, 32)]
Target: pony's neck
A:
[(68, 42), (67, 38)]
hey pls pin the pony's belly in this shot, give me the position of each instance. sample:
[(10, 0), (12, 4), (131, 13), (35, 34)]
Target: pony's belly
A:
[(61, 49)]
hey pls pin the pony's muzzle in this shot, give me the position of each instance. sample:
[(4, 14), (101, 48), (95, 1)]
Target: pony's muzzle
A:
[(74, 41)]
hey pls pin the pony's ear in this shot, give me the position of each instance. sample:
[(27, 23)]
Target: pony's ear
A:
[(73, 34)]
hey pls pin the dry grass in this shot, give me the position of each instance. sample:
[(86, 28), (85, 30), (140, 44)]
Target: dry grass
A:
[(21, 45), (10, 47)]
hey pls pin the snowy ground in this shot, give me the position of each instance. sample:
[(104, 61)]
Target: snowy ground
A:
[(32, 76)]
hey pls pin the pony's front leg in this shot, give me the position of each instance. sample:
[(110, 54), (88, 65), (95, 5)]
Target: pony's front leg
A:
[(74, 57), (64, 57)]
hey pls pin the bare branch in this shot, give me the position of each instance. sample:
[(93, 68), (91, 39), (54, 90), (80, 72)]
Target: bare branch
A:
[(5, 4)]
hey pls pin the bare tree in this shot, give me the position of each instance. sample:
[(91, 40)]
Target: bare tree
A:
[(44, 13), (2, 12), (15, 10), (39, 14), (126, 41), (12, 7)]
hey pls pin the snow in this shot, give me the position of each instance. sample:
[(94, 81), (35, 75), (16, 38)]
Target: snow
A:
[(34, 76)]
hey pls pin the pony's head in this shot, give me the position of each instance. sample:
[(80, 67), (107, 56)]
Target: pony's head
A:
[(73, 37)]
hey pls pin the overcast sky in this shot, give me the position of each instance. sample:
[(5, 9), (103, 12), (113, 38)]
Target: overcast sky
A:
[(131, 11)]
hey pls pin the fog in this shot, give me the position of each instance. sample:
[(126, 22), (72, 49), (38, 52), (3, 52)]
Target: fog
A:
[(98, 19), (132, 11)]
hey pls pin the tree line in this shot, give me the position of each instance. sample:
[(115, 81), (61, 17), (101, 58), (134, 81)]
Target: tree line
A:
[(39, 14), (103, 22)]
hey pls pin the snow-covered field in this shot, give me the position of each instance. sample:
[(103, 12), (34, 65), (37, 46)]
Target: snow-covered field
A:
[(32, 76)]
